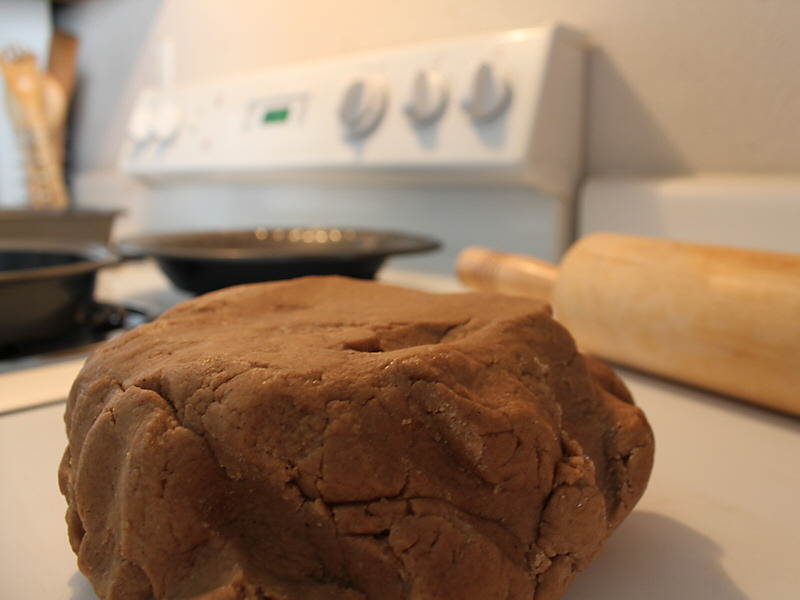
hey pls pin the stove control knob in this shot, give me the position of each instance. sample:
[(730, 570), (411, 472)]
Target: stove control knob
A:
[(140, 124), (427, 97), (167, 122), (489, 94), (363, 104)]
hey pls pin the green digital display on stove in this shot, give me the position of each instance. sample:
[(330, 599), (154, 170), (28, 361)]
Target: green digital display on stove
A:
[(276, 115)]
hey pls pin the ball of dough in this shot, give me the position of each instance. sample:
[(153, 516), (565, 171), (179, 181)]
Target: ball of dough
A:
[(339, 439)]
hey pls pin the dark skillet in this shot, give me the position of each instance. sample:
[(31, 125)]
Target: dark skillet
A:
[(206, 261), (46, 290)]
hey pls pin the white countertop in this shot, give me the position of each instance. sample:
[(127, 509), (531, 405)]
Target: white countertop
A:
[(719, 520)]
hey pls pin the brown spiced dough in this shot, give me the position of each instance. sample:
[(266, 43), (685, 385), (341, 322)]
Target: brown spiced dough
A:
[(326, 438)]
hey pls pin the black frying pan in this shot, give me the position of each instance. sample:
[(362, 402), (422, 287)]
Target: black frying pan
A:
[(206, 261), (46, 290)]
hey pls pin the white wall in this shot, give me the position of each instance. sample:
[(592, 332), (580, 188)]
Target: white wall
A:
[(675, 87)]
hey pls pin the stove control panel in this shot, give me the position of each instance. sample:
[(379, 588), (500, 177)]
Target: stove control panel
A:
[(505, 107)]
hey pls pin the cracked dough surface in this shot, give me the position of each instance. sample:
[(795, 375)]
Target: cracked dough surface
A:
[(340, 439)]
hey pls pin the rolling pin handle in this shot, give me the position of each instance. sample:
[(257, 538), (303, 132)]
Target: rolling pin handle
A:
[(514, 274)]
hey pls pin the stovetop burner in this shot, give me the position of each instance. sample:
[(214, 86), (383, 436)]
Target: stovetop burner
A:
[(106, 321)]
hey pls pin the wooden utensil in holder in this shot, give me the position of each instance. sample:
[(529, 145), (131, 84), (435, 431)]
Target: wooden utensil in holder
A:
[(60, 81), (26, 100), (723, 319)]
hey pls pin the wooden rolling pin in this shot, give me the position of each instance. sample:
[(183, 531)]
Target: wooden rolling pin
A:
[(723, 319)]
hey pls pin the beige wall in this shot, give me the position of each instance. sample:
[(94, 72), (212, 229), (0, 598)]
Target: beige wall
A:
[(676, 86)]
